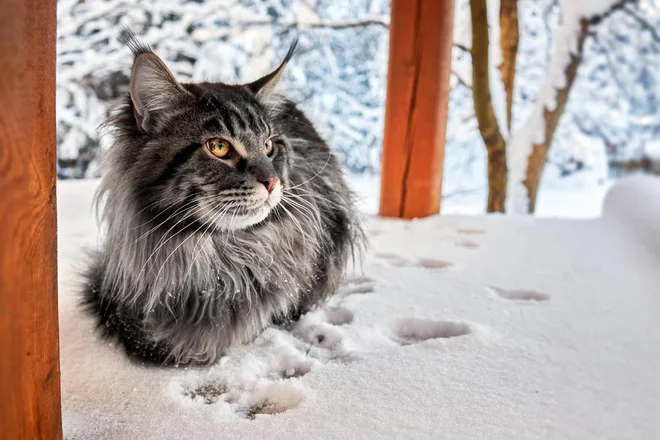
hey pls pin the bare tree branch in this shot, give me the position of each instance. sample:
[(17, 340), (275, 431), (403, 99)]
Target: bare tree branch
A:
[(462, 48), (483, 108), (610, 64), (509, 36), (341, 24), (461, 80), (377, 21), (594, 131), (643, 23)]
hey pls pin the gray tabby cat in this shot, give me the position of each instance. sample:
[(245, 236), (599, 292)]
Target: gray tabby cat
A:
[(224, 212)]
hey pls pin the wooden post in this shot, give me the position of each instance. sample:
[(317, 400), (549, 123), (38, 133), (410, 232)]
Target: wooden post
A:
[(29, 348), (416, 107)]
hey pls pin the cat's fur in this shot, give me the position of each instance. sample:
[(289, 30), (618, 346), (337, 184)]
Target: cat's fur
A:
[(197, 255)]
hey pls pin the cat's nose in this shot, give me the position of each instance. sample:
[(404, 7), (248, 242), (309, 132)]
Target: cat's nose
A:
[(270, 184)]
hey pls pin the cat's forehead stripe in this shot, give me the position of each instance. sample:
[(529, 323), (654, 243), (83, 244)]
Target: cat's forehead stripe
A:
[(217, 125), (256, 120), (225, 121), (236, 117)]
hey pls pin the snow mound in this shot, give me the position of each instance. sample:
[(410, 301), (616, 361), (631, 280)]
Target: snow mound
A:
[(635, 203)]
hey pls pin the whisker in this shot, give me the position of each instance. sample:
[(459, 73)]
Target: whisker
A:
[(295, 221), (315, 175), (159, 214), (300, 191), (179, 245), (304, 211), (210, 222), (162, 243), (171, 216)]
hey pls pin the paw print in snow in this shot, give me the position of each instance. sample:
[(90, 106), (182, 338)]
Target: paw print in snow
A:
[(250, 399), (425, 263), (339, 315), (518, 294), (408, 331), (207, 394), (357, 286)]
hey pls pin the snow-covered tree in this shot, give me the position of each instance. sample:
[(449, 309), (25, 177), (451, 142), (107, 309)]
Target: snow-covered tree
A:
[(516, 158)]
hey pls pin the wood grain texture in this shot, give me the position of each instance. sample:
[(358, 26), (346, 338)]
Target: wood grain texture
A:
[(416, 107), (29, 361)]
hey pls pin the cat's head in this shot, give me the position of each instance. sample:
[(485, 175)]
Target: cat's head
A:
[(207, 155)]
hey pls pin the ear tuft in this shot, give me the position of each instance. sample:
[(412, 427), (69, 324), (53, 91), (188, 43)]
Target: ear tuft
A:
[(264, 86), (153, 88), (133, 42)]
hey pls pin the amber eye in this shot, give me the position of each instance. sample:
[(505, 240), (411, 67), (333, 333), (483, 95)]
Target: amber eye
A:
[(219, 148), (270, 149)]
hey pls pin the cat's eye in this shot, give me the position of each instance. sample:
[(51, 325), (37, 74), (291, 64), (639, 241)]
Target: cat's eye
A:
[(219, 148), (269, 147)]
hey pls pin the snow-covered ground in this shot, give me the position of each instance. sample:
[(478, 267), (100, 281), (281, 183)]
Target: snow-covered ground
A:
[(579, 196), (460, 327)]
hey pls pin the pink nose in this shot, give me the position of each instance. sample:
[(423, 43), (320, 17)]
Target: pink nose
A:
[(270, 184)]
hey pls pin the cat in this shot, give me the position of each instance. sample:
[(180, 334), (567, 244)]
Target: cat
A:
[(224, 212)]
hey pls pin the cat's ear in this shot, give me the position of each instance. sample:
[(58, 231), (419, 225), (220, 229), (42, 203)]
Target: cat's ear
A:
[(153, 88), (264, 86)]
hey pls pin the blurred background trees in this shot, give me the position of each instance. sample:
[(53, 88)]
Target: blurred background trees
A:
[(532, 141), (608, 127)]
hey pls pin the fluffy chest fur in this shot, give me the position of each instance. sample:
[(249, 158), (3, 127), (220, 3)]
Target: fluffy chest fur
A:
[(205, 292)]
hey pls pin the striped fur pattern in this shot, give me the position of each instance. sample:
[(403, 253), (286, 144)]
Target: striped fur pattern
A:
[(199, 254)]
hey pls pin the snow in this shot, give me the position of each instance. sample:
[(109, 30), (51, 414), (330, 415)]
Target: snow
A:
[(577, 197), (653, 150), (460, 327)]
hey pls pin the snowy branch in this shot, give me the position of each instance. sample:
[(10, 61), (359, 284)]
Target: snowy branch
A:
[(610, 64), (460, 80), (462, 48), (643, 23), (286, 26)]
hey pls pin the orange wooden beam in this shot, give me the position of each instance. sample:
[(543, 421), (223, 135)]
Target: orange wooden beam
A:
[(29, 348), (416, 107)]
